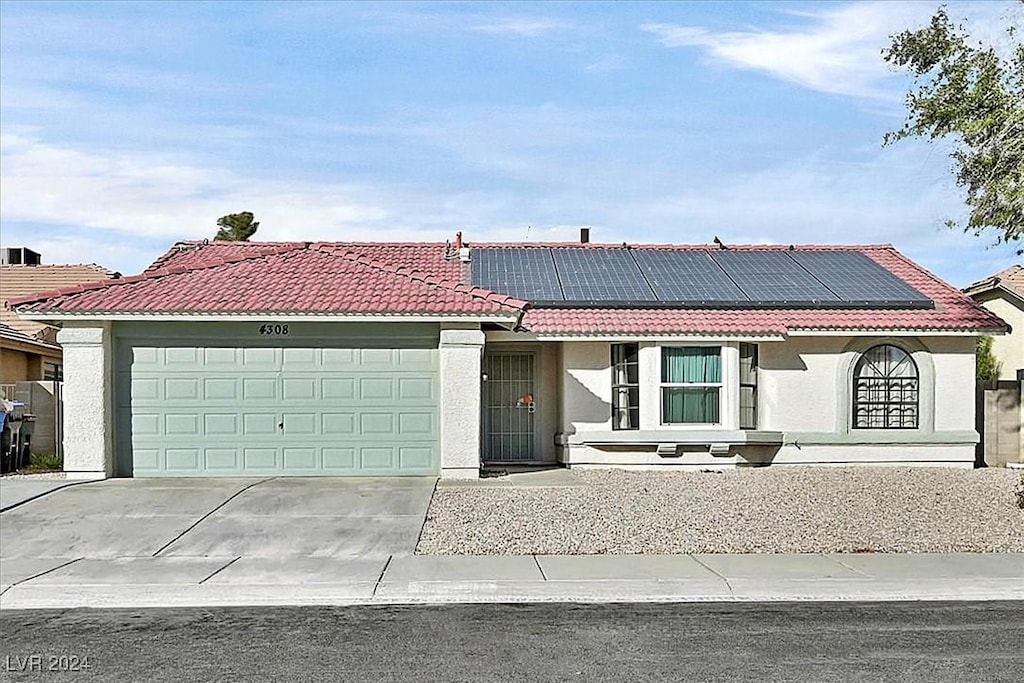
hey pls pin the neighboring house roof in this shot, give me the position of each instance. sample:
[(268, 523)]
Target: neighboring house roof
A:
[(11, 338), (280, 278), (1009, 281), (18, 280), (406, 278)]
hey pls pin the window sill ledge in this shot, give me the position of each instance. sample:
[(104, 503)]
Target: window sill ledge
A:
[(653, 437)]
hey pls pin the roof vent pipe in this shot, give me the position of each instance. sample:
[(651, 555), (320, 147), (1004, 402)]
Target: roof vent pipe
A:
[(584, 235), (461, 248)]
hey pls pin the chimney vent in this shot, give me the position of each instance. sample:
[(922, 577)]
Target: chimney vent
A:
[(584, 235)]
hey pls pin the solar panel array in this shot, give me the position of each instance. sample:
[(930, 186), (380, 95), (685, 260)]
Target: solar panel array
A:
[(601, 275), (695, 278), (772, 277), (527, 274), (690, 276), (854, 277)]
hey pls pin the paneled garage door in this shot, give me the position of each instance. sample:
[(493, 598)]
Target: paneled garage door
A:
[(203, 409)]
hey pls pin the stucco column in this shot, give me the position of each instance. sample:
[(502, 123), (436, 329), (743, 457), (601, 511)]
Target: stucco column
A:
[(461, 351), (88, 401)]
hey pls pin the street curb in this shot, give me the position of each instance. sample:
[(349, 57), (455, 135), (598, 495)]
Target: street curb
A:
[(24, 596)]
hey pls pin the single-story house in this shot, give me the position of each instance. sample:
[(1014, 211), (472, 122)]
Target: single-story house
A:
[(248, 358), (1003, 294), (29, 349)]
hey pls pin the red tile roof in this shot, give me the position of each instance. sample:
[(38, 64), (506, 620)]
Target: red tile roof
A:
[(1011, 280), (294, 277), (285, 278), (19, 280)]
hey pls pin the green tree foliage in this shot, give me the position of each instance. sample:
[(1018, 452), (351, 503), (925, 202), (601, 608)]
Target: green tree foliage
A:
[(970, 92), (987, 367), (236, 227)]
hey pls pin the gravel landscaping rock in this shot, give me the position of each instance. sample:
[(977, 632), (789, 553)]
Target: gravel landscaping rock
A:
[(762, 510), (42, 476)]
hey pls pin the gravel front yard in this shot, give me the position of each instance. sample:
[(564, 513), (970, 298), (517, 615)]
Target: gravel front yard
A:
[(763, 510)]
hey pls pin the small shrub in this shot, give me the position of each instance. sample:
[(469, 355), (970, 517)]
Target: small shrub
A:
[(44, 462), (988, 367)]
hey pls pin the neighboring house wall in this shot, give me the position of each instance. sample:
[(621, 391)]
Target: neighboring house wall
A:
[(16, 366), (1007, 348), (804, 397), (25, 360)]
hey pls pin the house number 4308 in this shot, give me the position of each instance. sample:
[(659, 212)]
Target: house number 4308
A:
[(273, 330)]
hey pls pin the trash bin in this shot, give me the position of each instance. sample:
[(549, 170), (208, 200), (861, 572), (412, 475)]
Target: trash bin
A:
[(23, 453), (5, 443), (13, 412)]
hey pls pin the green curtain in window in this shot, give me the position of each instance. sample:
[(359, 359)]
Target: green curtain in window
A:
[(691, 364), (690, 405)]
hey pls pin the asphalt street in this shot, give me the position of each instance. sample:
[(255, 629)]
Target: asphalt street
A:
[(924, 641)]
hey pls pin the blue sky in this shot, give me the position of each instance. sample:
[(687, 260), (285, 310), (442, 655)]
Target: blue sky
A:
[(127, 127)]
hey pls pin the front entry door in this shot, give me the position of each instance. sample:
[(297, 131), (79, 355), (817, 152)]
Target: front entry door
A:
[(510, 408)]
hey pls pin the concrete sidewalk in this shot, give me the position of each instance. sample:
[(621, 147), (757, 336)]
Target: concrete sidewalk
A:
[(207, 581)]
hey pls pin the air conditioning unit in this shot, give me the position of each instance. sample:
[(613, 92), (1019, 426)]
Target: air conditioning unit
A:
[(19, 256)]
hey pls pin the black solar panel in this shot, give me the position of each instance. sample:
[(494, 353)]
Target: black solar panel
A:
[(699, 278), (593, 275), (687, 276), (772, 278), (527, 274), (858, 279)]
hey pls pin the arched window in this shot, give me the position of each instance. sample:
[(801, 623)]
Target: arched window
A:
[(885, 389)]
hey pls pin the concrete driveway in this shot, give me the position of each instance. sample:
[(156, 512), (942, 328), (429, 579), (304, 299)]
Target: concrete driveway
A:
[(189, 530)]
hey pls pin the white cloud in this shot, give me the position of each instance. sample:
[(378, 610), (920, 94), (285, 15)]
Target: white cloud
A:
[(158, 196), (528, 27), (838, 53), (122, 209)]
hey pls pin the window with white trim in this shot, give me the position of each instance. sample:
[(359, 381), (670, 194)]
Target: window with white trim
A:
[(885, 389), (691, 384), (625, 386)]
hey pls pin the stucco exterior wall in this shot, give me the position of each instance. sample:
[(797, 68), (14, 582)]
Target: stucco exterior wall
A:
[(797, 384), (88, 403), (1008, 348), (586, 386), (804, 398), (460, 351), (954, 382)]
